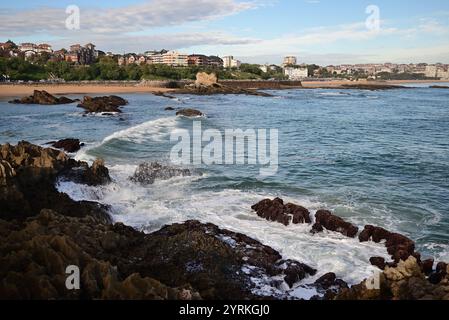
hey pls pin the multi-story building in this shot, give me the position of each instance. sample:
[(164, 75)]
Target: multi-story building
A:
[(296, 73), (215, 62), (175, 59), (230, 62), (157, 58), (290, 61), (198, 60), (82, 55), (44, 48), (27, 47)]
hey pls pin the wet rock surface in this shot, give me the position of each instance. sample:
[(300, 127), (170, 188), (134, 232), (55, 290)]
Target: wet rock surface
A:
[(106, 104), (43, 98), (31, 173), (148, 173), (275, 210), (332, 222), (398, 246), (190, 113), (68, 145)]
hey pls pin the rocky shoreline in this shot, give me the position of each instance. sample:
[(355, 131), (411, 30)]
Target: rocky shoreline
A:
[(43, 231)]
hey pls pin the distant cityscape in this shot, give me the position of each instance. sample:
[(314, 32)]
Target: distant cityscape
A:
[(292, 69)]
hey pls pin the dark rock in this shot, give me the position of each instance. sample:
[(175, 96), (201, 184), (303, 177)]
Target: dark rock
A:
[(398, 246), (326, 281), (189, 113), (147, 173), (218, 88), (427, 266), (68, 145), (439, 87), (32, 186), (378, 262), (105, 104), (295, 271), (169, 109), (317, 228), (441, 267), (275, 210), (43, 98), (34, 256), (334, 223)]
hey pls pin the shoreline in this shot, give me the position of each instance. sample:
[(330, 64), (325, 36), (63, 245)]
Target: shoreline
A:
[(21, 90)]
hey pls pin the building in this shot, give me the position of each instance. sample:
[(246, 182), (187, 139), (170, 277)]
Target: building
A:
[(198, 60), (157, 58), (44, 48), (83, 55), (431, 71), (296, 73), (23, 47), (290, 61), (230, 62), (175, 59), (215, 62)]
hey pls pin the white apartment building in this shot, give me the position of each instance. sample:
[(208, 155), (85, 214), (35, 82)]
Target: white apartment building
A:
[(230, 62), (175, 59), (296, 73)]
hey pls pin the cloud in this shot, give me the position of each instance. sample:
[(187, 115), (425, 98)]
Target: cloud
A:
[(132, 18)]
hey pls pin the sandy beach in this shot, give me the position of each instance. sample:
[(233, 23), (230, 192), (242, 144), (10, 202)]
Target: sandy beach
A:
[(16, 91), (20, 90)]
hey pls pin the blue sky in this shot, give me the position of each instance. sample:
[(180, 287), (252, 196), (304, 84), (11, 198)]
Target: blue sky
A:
[(317, 31)]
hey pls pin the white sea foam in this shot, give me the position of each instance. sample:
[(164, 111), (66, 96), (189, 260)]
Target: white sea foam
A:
[(173, 201), (155, 130)]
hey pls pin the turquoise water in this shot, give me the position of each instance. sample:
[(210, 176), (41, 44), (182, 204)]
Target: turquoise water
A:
[(372, 157)]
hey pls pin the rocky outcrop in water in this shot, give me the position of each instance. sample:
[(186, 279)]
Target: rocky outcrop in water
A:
[(148, 173), (107, 104), (190, 113), (275, 210), (207, 84), (325, 219), (68, 145), (29, 174), (398, 246), (43, 98)]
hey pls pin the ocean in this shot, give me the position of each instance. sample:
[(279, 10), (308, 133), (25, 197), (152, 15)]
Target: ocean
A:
[(379, 157)]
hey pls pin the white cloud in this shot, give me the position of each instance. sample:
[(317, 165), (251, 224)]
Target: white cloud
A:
[(148, 14)]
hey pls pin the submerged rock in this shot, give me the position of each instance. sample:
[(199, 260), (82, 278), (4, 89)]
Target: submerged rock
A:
[(275, 210), (43, 98), (147, 173), (190, 113), (68, 145), (105, 104)]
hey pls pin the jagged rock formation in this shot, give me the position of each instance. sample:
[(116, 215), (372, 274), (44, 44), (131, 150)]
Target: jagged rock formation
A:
[(398, 246), (275, 210), (68, 145), (103, 104), (147, 173), (44, 98), (34, 256), (404, 282), (28, 177)]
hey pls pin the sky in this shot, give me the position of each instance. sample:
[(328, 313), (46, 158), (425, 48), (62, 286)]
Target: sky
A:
[(257, 31)]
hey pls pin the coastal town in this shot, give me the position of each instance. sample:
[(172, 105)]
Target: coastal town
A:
[(290, 68)]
